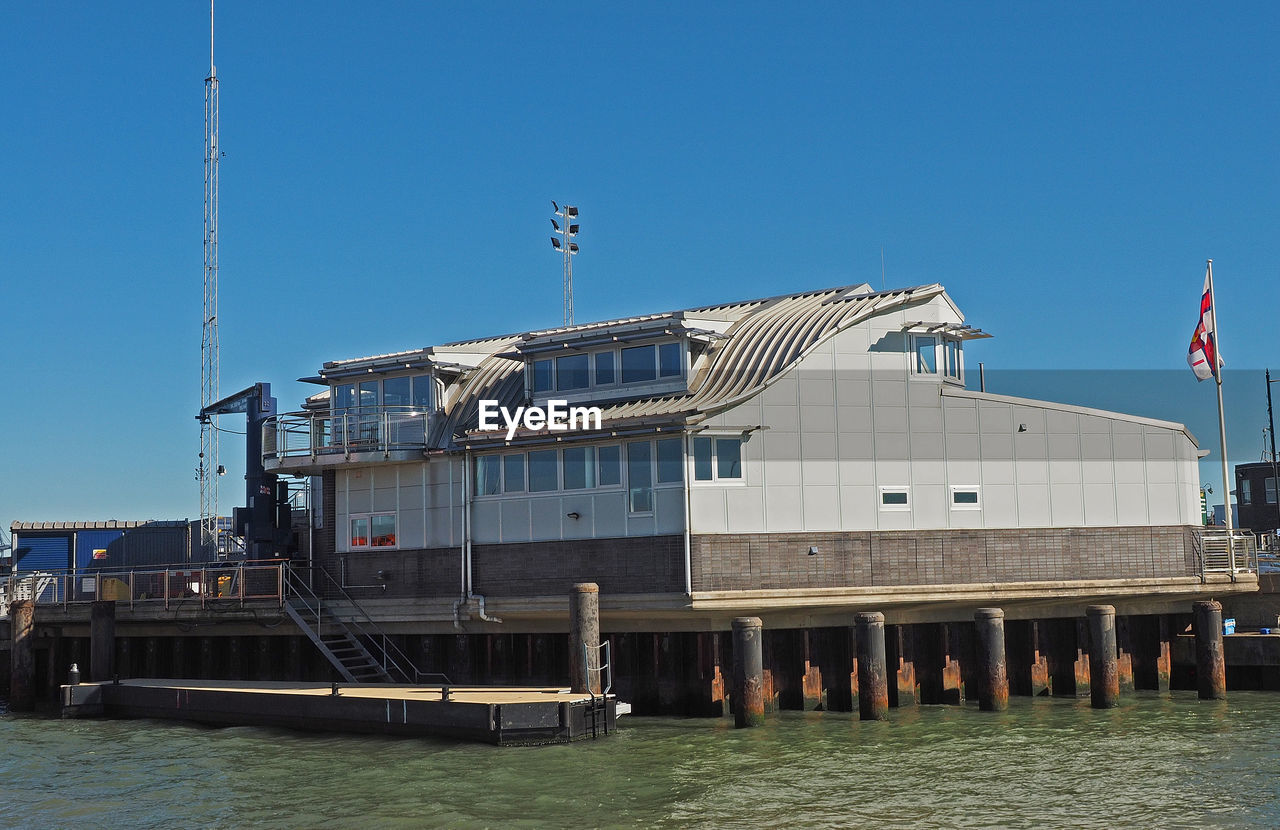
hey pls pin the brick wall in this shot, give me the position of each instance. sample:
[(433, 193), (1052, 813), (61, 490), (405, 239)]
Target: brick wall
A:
[(620, 566), (639, 565), (760, 561)]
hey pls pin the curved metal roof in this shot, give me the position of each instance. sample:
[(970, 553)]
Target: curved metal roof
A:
[(768, 337)]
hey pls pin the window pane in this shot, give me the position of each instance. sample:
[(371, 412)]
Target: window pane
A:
[(360, 533), (487, 473), (610, 465), (670, 461), (926, 356), (702, 459), (422, 392), (1243, 491), (395, 392), (728, 458), (637, 364), (669, 360), (604, 368), (384, 531), (579, 468), (893, 497), (571, 372), (369, 395), (1271, 491), (953, 358), (640, 476), (541, 370), (344, 396), (964, 497), (513, 473), (543, 471)]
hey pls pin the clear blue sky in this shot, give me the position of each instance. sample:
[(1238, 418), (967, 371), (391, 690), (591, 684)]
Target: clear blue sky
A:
[(389, 167)]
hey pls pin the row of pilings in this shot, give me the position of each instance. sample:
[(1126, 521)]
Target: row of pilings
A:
[(868, 667), (872, 670)]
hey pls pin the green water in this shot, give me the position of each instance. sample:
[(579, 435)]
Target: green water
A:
[(1157, 762)]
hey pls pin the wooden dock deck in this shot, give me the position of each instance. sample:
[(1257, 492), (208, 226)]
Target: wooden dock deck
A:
[(515, 715)]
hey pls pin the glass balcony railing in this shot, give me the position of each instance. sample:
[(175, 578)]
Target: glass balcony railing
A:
[(384, 429)]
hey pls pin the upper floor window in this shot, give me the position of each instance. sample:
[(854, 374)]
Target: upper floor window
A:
[(934, 355), (410, 392), (604, 368), (717, 459)]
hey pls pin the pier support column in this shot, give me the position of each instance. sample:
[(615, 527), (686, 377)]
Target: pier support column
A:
[(993, 677), (1104, 671), (906, 688), (151, 657), (1211, 667), (873, 678), (22, 656), (748, 672), (584, 636), (102, 640)]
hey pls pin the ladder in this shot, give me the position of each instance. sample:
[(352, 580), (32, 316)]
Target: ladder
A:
[(601, 667), (346, 635)]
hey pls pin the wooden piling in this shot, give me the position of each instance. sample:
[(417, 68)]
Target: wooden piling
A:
[(1104, 671), (584, 637), (102, 640), (1211, 667), (992, 675), (873, 678), (22, 656), (748, 672)]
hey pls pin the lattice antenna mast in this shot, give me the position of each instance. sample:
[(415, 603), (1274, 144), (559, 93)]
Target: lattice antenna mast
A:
[(209, 371), (563, 241)]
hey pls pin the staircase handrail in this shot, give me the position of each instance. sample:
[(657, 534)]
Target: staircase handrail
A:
[(392, 655)]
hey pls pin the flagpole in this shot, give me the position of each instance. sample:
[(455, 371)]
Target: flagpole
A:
[(1222, 421)]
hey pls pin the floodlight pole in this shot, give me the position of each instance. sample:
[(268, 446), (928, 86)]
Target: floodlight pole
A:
[(563, 242)]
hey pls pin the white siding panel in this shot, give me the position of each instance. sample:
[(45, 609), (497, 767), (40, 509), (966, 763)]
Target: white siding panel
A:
[(611, 514), (1099, 505), (1068, 504), (515, 520), (858, 506), (486, 522), (411, 528), (1033, 505), (1162, 500), (545, 516), (745, 507), (669, 515), (821, 507), (783, 509), (708, 510), (1000, 505), (579, 502), (1131, 504)]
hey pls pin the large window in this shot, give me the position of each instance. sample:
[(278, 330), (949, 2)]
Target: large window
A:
[(639, 364), (717, 459), (627, 364), (640, 465), (373, 530), (410, 391)]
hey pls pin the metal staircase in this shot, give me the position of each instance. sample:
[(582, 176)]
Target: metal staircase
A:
[(345, 633)]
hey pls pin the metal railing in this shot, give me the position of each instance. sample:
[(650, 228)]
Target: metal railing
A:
[(369, 429), (306, 585), (213, 586), (1232, 553), (602, 668)]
